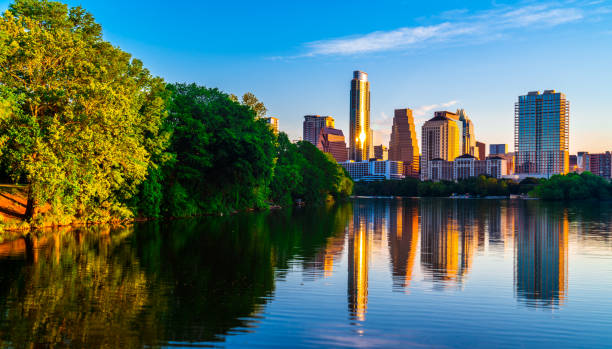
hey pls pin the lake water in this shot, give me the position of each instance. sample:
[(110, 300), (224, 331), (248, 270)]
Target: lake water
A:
[(368, 273)]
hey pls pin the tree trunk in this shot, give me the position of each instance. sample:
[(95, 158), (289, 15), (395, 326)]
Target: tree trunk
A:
[(30, 206)]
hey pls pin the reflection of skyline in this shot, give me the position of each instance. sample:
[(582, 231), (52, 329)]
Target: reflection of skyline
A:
[(403, 242), (541, 257), (448, 241)]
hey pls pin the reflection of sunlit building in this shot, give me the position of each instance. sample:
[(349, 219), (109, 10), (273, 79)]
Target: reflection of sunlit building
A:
[(403, 240), (541, 257), (447, 248), (368, 227), (323, 263)]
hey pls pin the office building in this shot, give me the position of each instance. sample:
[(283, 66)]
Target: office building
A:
[(466, 166), (468, 140), (332, 141), (481, 150), (381, 152), (273, 123), (584, 161), (600, 164), (360, 135), (312, 126), (573, 163), (441, 139), (403, 144), (541, 133), (495, 149), (374, 170)]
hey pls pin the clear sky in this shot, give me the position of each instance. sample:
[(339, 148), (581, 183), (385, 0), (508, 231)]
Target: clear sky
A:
[(298, 56)]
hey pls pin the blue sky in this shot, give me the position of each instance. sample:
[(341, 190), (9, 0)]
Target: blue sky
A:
[(298, 56)]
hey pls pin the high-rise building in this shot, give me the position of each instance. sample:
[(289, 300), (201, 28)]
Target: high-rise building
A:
[(441, 139), (273, 123), (573, 163), (381, 152), (468, 142), (313, 124), (481, 150), (495, 149), (360, 142), (332, 141), (584, 161), (541, 133), (403, 145)]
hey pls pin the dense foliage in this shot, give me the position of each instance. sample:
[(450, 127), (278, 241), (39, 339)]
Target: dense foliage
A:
[(476, 186), (574, 187), (94, 137), (81, 117)]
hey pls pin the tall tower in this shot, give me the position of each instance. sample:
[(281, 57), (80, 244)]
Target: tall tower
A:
[(441, 139), (468, 140), (360, 137), (403, 145), (541, 133)]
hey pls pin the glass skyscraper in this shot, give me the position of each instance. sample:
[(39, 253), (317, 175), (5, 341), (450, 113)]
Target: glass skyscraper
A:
[(361, 146), (541, 133)]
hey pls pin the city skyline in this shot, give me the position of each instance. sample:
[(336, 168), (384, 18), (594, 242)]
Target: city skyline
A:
[(301, 69)]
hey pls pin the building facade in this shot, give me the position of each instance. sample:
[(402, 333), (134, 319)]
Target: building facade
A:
[(360, 135), (403, 144), (481, 150), (468, 140), (441, 139), (374, 170), (541, 133), (495, 149), (601, 164), (332, 141), (381, 152), (272, 123), (466, 166), (312, 126)]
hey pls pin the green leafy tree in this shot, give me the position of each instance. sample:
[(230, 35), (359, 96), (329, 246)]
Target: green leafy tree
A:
[(251, 101), (84, 116)]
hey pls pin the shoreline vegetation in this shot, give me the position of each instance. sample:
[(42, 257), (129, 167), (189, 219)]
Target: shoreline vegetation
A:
[(570, 187), (88, 135)]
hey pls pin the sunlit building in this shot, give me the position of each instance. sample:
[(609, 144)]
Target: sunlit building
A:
[(361, 145), (312, 126), (441, 139), (468, 140), (481, 151), (541, 133), (403, 144), (273, 123)]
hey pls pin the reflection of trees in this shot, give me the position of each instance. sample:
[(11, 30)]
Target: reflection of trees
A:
[(73, 288), (183, 281), (403, 241), (541, 254)]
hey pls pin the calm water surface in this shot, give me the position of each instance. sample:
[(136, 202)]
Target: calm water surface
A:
[(369, 273)]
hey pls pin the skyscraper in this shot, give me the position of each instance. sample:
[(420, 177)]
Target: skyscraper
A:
[(403, 145), (468, 142), (441, 139), (273, 123), (360, 141), (541, 133), (381, 152), (313, 124), (495, 149)]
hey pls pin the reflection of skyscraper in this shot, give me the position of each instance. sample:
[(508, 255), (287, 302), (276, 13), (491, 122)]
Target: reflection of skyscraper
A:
[(446, 251), (358, 258), (541, 256), (360, 142), (403, 242)]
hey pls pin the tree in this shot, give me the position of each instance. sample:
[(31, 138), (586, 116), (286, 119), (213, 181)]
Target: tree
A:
[(224, 155), (252, 102), (84, 116)]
